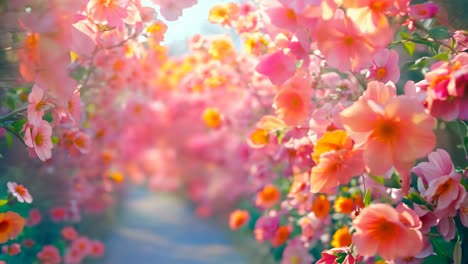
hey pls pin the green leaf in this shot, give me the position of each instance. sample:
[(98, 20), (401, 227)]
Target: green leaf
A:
[(9, 139), (439, 33), (416, 198), (280, 133), (299, 64), (367, 198), (3, 202), (444, 56), (393, 182), (378, 179), (409, 46), (340, 257), (55, 140)]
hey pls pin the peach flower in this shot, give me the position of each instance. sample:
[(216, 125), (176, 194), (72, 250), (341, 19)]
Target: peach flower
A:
[(337, 162), (389, 232), (394, 131), (293, 102)]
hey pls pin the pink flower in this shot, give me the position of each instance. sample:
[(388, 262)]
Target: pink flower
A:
[(386, 126), (292, 102), (446, 228), (35, 217), (423, 11), (278, 67), (296, 253), (445, 86), (389, 232), (461, 39), (49, 255), (20, 192), (385, 66), (58, 214), (439, 183), (171, 10), (112, 12), (83, 245), (283, 17), (36, 105), (12, 250), (343, 44), (39, 138), (69, 233), (97, 248), (265, 227), (463, 213)]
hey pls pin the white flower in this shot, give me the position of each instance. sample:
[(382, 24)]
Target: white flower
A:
[(20, 192)]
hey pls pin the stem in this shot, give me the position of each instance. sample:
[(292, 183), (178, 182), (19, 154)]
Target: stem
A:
[(14, 114), (421, 27), (461, 139), (15, 134)]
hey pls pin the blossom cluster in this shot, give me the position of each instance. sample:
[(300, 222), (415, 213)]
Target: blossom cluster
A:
[(336, 152)]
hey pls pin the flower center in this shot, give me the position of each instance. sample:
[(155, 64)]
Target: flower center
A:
[(378, 6), (20, 190), (443, 188), (381, 73), (348, 41), (295, 260), (386, 131), (4, 225), (383, 230), (291, 14), (39, 139)]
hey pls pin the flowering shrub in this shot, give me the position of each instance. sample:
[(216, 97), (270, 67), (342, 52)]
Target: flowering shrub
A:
[(339, 124)]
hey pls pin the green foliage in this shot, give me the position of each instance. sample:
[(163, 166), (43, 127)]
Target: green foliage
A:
[(367, 198), (439, 33)]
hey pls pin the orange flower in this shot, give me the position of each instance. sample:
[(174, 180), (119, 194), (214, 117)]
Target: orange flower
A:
[(344, 205), (212, 117), (341, 238), (281, 236), (391, 233), (268, 196), (11, 225), (337, 162), (238, 218), (321, 206), (258, 138)]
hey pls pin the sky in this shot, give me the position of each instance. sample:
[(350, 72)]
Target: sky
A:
[(193, 21)]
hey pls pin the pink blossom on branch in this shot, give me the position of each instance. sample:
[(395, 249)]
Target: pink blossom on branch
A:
[(172, 9), (39, 138), (278, 67), (439, 183), (384, 66)]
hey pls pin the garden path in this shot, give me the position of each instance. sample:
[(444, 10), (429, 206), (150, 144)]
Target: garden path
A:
[(156, 228)]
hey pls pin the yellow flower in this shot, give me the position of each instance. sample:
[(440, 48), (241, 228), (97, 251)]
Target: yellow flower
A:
[(341, 238)]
